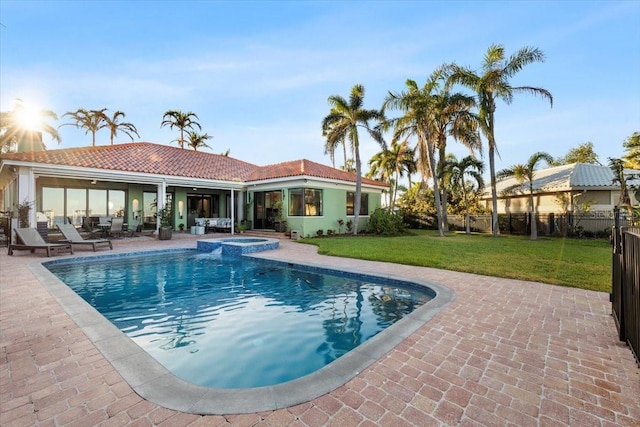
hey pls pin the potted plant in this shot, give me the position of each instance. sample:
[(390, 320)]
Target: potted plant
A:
[(242, 227), (23, 213), (165, 218), (279, 223), (181, 227)]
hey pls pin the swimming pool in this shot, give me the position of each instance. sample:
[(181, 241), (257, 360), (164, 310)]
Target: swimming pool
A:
[(155, 383), (236, 322)]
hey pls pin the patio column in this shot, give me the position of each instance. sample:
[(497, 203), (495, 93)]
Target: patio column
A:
[(162, 198), (233, 203), (27, 191)]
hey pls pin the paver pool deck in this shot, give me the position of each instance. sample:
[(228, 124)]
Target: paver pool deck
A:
[(504, 352)]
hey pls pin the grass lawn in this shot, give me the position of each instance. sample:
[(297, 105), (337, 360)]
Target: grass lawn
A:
[(578, 263)]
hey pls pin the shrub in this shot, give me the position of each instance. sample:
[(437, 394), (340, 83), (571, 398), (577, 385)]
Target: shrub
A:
[(320, 232), (385, 222)]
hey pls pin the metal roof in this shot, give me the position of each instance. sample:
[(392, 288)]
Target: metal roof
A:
[(575, 176)]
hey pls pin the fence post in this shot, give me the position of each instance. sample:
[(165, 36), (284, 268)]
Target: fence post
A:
[(616, 232)]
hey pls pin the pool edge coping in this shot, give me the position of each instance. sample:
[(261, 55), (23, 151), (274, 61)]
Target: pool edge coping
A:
[(154, 382)]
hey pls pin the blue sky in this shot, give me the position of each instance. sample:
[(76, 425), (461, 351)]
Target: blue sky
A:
[(258, 73)]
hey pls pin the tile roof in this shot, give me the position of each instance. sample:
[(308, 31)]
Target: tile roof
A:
[(573, 176), (146, 157), (306, 167)]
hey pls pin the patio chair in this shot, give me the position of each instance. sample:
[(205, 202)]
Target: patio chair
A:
[(136, 228), (86, 226), (116, 227), (72, 236), (32, 240)]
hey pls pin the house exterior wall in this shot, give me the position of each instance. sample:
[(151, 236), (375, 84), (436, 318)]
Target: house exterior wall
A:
[(594, 200), (334, 201), (334, 196)]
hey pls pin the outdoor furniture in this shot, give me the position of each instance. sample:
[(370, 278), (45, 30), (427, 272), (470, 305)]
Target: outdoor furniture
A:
[(137, 228), (72, 236), (31, 240), (87, 225), (104, 223), (116, 227), (215, 224)]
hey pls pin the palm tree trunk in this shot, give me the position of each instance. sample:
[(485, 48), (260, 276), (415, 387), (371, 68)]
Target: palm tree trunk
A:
[(494, 193), (445, 219), (466, 210), (441, 158), (436, 190), (395, 191), (356, 202), (344, 151), (533, 219), (495, 229)]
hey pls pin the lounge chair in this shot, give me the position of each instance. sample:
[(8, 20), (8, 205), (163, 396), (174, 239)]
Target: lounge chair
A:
[(72, 236), (32, 240)]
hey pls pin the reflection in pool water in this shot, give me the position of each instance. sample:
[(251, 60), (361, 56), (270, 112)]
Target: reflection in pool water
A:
[(236, 322)]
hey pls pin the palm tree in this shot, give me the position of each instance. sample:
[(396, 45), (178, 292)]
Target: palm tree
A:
[(525, 174), (632, 148), (457, 172), (420, 106), (91, 120), (181, 120), (342, 123), (197, 140), (494, 84), (453, 117), (617, 167), (114, 126), (390, 165), (331, 146), (21, 124)]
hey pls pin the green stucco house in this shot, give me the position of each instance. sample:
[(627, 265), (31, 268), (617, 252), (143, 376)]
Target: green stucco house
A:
[(78, 185)]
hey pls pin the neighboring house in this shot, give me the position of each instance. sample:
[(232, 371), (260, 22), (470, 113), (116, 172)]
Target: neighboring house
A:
[(574, 188), (130, 180)]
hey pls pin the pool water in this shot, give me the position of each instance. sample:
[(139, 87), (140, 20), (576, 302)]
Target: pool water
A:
[(238, 322)]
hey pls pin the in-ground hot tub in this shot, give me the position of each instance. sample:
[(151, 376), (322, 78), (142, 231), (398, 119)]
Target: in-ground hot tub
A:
[(237, 246)]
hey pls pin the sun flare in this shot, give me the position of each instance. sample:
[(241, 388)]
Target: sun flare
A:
[(29, 117)]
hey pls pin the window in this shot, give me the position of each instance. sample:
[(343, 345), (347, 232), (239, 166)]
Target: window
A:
[(305, 202), (116, 203), (76, 205), (364, 203), (97, 202), (53, 205), (149, 209)]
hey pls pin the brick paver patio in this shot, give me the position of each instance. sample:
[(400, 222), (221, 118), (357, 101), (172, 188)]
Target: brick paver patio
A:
[(505, 352)]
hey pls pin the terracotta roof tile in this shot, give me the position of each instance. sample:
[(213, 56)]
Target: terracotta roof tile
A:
[(306, 167), (146, 157)]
